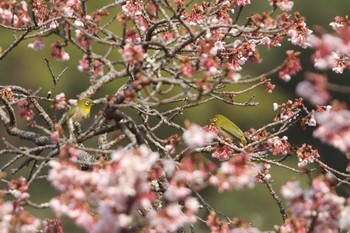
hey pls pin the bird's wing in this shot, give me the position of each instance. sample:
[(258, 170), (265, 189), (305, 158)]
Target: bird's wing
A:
[(236, 132), (232, 133)]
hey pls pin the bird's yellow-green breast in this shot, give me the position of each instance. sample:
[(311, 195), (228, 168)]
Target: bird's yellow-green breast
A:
[(79, 112), (228, 129)]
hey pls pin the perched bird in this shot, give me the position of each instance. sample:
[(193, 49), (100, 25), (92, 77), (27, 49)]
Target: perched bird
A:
[(228, 129), (79, 112)]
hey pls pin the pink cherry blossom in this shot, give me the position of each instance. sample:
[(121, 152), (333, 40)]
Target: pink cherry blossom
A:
[(172, 217), (132, 54), (177, 191), (332, 51), (60, 101), (299, 34), (107, 188), (236, 173), (306, 155), (26, 110), (132, 9), (291, 190), (13, 216), (285, 5), (291, 66), (319, 207), (222, 152), (344, 218), (314, 89), (37, 44), (19, 188), (54, 24), (240, 2), (53, 225), (334, 129), (84, 66), (279, 146), (196, 136), (58, 53)]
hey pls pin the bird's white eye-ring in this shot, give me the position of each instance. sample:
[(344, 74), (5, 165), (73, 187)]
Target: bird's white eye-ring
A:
[(87, 103), (214, 119)]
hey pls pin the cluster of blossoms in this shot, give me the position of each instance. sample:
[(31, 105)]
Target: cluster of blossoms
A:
[(13, 217), (53, 226), (132, 54), (314, 89), (207, 58), (288, 109), (67, 8), (81, 38), (306, 155), (19, 188), (291, 66), (186, 69), (334, 129), (318, 209), (121, 194), (173, 217), (26, 109), (19, 18), (332, 50), (284, 5), (222, 152), (291, 110), (60, 101), (236, 173), (121, 188), (192, 172), (279, 146), (117, 190), (132, 9), (84, 66), (299, 32), (215, 224), (58, 53), (37, 44), (196, 136)]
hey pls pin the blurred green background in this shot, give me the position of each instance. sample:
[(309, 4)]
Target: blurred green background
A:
[(28, 69)]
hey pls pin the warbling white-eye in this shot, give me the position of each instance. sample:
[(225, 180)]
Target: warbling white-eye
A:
[(228, 129), (79, 112)]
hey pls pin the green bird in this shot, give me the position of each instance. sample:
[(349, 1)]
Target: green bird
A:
[(228, 129), (79, 112)]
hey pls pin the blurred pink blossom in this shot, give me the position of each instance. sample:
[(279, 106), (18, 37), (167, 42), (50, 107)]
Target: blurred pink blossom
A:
[(319, 207), (332, 51), (236, 173), (117, 190), (37, 44), (13, 218), (314, 89), (26, 110), (334, 129), (196, 136), (299, 34), (60, 101)]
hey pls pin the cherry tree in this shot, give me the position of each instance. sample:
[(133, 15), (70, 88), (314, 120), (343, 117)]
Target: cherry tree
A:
[(146, 172)]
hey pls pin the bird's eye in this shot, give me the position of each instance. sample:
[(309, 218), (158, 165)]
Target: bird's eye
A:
[(214, 119), (87, 103)]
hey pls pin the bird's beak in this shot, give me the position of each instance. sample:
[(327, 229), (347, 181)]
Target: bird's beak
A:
[(95, 102)]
